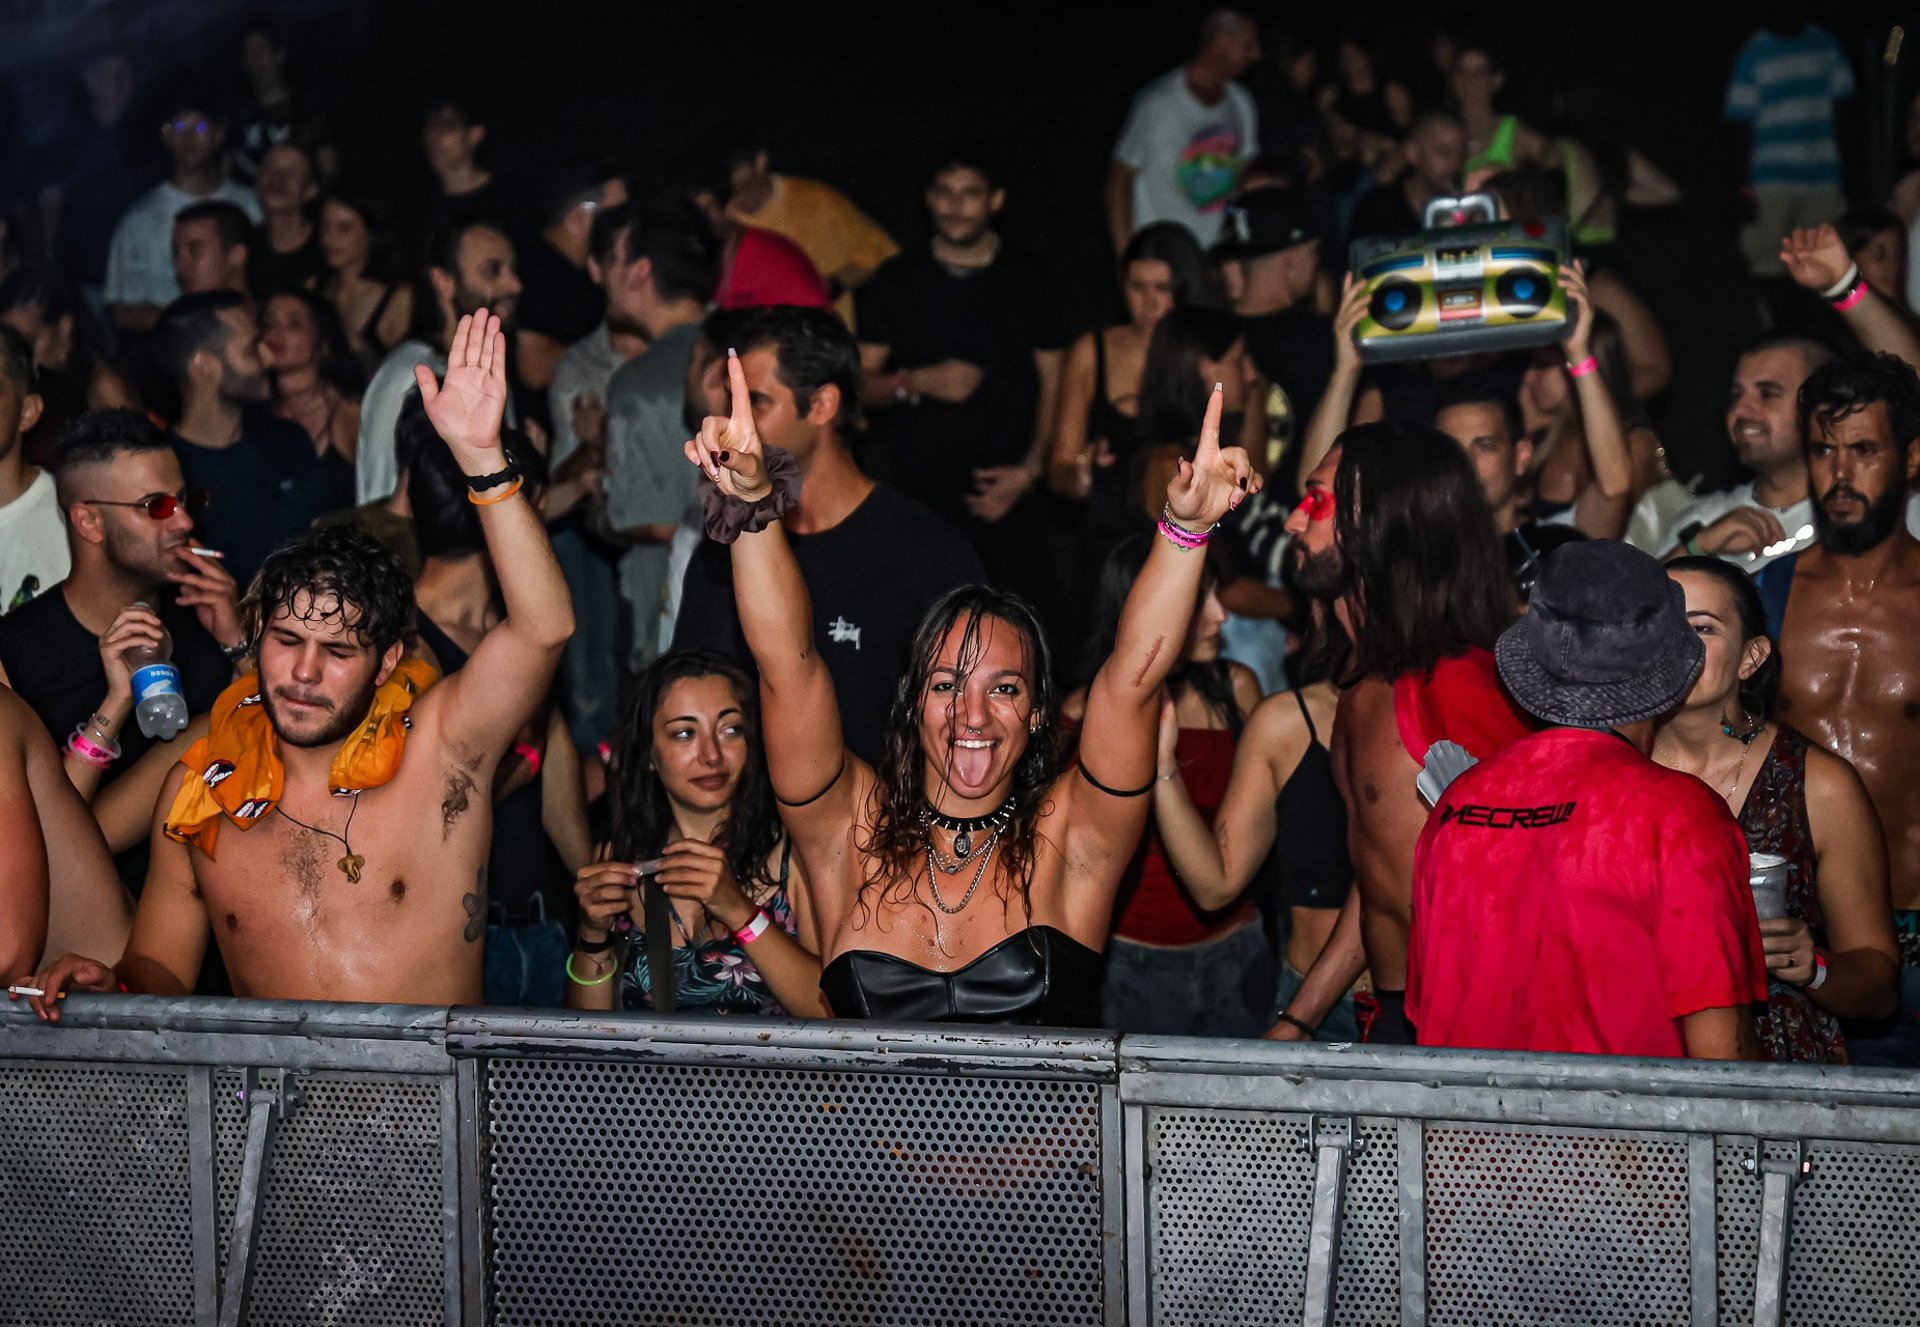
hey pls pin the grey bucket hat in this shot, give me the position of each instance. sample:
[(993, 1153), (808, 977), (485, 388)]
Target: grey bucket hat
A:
[(1605, 640)]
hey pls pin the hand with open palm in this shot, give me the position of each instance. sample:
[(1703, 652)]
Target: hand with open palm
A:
[(467, 406)]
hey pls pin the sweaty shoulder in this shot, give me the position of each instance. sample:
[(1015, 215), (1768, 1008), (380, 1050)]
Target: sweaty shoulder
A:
[(1460, 700)]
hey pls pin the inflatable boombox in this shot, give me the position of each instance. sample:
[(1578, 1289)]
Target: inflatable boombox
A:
[(1467, 282)]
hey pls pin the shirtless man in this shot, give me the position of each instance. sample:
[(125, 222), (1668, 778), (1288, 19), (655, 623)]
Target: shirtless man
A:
[(1418, 582), (307, 898), (1851, 678)]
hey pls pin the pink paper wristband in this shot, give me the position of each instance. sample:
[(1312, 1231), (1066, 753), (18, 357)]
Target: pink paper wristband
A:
[(1184, 539), (753, 930), (1852, 297), (1584, 367), (85, 748)]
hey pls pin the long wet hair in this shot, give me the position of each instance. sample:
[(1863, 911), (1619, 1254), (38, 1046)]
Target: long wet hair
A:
[(896, 845), (1212, 681), (1421, 568), (642, 813)]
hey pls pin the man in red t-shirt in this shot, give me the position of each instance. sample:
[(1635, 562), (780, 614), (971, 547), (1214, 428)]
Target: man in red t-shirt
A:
[(1395, 532), (1569, 894)]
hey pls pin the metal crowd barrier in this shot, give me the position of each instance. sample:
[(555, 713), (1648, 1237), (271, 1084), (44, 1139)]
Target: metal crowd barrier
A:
[(227, 1162)]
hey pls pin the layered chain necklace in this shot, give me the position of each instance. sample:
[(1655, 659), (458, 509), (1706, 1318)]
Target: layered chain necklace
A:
[(1751, 728), (965, 849)]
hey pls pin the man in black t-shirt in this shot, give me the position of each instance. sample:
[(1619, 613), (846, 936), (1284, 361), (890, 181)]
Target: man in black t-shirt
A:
[(559, 301), (874, 560), (1436, 149), (263, 480), (961, 352), (130, 536)]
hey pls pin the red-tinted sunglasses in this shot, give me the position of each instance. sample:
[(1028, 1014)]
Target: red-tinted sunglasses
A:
[(161, 506), (1317, 504)]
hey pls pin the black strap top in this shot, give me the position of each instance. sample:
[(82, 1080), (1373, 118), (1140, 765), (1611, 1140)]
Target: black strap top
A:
[(1039, 976), (1105, 419), (1311, 820)]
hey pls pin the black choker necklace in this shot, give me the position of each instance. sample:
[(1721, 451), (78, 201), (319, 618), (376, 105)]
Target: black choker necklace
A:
[(963, 828)]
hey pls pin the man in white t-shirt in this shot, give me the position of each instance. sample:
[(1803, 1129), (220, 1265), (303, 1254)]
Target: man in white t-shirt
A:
[(1187, 137), (140, 278), (33, 538)]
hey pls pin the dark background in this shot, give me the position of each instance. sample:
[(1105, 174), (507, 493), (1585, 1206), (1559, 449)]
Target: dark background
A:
[(865, 94)]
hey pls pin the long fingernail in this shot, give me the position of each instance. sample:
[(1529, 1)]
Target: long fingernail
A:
[(1243, 481), (725, 455), (732, 353), (714, 457), (1219, 387)]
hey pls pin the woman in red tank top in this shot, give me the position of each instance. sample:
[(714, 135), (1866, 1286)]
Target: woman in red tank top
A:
[(1173, 967)]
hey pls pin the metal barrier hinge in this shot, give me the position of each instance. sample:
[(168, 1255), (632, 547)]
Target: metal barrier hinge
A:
[(270, 1095), (1333, 1142), (1779, 1177)]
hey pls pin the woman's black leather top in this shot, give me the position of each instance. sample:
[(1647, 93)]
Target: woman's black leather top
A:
[(1038, 976)]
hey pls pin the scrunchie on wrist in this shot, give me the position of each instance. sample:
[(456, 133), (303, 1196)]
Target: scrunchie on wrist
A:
[(728, 517)]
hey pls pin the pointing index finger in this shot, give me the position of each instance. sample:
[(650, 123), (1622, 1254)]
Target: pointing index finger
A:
[(1209, 447), (742, 413)]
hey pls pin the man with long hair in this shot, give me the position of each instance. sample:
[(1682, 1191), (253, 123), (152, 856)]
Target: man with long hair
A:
[(1844, 612), (258, 834), (1395, 533)]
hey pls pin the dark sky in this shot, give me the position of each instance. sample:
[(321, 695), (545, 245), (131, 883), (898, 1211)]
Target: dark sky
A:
[(862, 94)]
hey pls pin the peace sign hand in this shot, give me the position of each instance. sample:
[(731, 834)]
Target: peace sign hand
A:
[(1216, 480), (467, 406), (728, 449)]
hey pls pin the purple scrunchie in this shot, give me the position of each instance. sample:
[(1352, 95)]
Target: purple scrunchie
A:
[(729, 517)]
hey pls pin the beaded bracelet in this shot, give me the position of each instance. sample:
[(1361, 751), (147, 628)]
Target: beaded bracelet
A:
[(754, 929), (582, 981)]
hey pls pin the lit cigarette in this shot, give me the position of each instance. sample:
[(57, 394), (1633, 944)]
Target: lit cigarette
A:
[(25, 990), (205, 552)]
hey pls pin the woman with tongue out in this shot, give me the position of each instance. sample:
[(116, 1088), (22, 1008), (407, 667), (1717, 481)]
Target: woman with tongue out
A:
[(968, 877)]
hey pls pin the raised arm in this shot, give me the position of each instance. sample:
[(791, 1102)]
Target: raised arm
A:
[(1216, 865), (1123, 702), (481, 707), (1817, 259), (1607, 449), (1335, 411), (799, 714)]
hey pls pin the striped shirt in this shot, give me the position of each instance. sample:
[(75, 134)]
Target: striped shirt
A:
[(1786, 88)]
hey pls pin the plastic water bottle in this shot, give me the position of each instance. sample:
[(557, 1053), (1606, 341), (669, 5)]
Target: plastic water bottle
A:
[(157, 702)]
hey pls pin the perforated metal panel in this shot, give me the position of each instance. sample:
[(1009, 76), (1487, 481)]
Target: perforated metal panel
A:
[(1530, 1226), (1231, 1202), (352, 1228), (1854, 1246), (661, 1194), (94, 1203)]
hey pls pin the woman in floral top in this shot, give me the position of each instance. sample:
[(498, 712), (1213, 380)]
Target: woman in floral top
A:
[(1833, 955), (694, 818)]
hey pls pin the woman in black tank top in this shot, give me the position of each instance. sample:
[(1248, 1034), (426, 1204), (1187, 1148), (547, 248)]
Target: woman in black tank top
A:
[(1281, 798)]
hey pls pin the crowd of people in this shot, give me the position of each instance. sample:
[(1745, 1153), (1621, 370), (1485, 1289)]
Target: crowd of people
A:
[(718, 607)]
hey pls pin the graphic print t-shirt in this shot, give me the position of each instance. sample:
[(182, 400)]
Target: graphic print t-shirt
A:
[(1571, 895), (1187, 155)]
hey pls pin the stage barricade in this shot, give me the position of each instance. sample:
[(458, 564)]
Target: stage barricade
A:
[(204, 1161)]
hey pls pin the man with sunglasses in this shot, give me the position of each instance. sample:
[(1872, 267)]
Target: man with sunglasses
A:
[(129, 534), (140, 278)]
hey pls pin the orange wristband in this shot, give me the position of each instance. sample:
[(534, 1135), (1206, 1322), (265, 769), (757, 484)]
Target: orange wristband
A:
[(511, 489)]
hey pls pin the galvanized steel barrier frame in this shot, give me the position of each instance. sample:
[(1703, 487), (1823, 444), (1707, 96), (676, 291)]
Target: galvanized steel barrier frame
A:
[(1781, 1123)]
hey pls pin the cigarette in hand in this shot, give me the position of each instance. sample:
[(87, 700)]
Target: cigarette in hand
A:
[(205, 552), (26, 990)]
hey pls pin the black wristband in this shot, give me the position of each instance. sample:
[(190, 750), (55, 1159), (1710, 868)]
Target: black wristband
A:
[(481, 483), (586, 946), (1284, 1017)]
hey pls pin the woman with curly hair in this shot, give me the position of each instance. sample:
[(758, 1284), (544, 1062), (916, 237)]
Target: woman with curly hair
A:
[(967, 877), (694, 826)]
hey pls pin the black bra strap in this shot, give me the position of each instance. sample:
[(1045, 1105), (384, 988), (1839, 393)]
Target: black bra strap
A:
[(822, 793), (1300, 699), (1116, 792)]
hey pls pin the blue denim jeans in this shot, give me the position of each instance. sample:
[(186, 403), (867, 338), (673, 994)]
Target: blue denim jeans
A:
[(1217, 988), (590, 668), (526, 965), (1341, 1022)]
